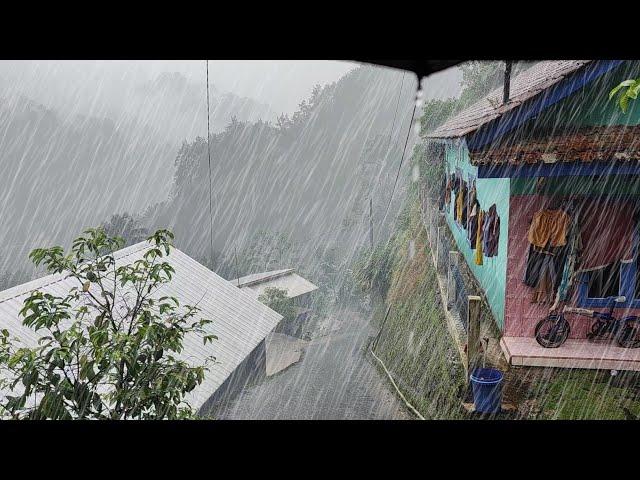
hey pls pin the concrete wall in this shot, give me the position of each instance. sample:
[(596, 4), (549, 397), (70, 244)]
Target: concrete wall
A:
[(252, 369), (491, 275)]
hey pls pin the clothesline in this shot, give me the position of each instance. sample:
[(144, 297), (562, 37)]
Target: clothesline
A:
[(482, 227)]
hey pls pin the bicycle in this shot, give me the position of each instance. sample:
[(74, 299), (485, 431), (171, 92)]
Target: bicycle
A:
[(553, 330)]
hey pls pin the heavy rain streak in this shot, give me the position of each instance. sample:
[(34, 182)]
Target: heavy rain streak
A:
[(319, 240)]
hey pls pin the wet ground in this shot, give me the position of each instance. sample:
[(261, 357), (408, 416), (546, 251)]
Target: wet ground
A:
[(335, 379)]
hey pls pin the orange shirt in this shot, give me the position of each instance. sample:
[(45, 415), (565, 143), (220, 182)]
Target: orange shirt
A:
[(549, 228)]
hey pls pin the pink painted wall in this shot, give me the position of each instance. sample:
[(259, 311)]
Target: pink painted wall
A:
[(521, 315)]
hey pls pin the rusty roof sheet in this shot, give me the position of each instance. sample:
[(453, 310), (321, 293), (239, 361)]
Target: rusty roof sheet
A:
[(586, 144), (524, 86)]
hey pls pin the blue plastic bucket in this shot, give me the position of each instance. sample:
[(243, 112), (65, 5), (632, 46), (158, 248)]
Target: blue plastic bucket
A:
[(487, 390)]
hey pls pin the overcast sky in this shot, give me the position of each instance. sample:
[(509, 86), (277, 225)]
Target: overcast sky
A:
[(282, 84)]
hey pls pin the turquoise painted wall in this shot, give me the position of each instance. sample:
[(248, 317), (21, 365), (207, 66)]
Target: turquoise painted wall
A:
[(492, 274)]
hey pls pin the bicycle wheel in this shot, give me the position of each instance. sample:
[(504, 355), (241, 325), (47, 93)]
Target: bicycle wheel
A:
[(629, 335), (552, 331)]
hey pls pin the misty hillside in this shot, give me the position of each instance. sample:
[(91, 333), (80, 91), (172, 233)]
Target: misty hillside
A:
[(297, 176), (178, 110), (61, 175), (305, 176), (73, 165)]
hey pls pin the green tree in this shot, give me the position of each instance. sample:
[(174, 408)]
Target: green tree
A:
[(372, 269), (277, 300), (435, 112), (108, 349), (479, 78), (129, 228), (266, 250)]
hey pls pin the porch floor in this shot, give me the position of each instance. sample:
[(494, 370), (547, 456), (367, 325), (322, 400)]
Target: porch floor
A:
[(574, 353)]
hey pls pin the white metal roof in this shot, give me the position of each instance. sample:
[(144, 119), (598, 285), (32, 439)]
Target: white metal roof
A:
[(286, 279), (239, 321)]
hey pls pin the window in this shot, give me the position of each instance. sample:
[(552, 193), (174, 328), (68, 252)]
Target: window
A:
[(613, 280), (604, 282)]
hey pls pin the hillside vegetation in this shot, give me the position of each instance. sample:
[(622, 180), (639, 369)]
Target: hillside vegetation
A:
[(414, 342)]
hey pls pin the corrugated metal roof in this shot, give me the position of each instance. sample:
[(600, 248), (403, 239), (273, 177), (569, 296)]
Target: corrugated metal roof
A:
[(239, 321), (523, 87), (259, 277), (286, 279)]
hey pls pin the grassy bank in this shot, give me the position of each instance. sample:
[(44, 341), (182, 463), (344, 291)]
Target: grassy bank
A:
[(578, 394), (415, 344)]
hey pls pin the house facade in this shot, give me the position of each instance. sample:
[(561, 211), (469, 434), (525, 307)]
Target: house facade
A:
[(549, 181)]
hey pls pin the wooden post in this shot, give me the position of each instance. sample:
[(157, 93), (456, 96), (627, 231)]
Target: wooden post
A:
[(473, 333), (507, 81)]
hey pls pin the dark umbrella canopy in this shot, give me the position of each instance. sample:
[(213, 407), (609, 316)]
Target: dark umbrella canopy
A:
[(421, 68)]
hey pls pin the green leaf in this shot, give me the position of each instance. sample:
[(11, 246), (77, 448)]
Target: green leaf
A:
[(51, 406), (624, 103), (626, 83), (633, 91)]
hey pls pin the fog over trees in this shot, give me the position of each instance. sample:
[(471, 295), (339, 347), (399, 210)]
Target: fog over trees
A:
[(77, 157)]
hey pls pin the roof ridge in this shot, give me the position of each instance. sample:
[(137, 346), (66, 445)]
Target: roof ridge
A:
[(484, 111), (276, 274), (40, 282)]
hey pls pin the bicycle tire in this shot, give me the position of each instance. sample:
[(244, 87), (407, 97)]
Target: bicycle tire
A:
[(549, 340), (629, 335)]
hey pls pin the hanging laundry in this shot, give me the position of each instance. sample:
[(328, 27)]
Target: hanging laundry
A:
[(491, 232), (538, 264), (478, 239), (473, 223), (459, 205), (545, 289), (574, 247), (471, 197), (549, 228), (463, 214)]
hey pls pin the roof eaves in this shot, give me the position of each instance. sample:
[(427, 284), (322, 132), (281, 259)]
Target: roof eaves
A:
[(452, 127)]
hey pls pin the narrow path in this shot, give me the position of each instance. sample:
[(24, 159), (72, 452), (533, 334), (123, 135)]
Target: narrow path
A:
[(334, 380)]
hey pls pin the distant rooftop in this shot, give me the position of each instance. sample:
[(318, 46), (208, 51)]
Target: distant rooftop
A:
[(287, 279), (239, 321)]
